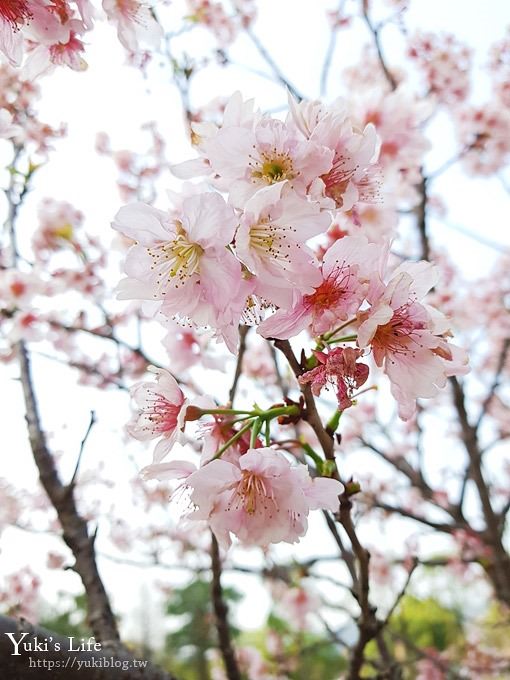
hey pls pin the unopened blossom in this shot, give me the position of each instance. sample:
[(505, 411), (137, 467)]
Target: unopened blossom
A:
[(340, 368), (135, 23), (408, 338), (271, 238), (262, 499), (161, 412), (345, 271), (182, 263)]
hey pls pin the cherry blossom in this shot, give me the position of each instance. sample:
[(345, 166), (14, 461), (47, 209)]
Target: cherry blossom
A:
[(66, 52), (408, 338), (345, 271), (135, 23), (182, 263), (246, 161), (161, 412), (271, 238), (261, 500), (353, 174)]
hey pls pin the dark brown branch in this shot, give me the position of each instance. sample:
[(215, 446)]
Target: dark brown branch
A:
[(221, 616), (16, 667), (416, 478), (421, 218), (82, 446), (445, 527), (347, 555), (368, 624), (280, 381), (74, 527), (499, 568), (311, 414)]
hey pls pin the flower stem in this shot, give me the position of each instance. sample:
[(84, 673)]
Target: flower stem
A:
[(327, 336), (345, 338), (233, 439)]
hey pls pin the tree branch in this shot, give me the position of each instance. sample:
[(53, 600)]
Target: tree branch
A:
[(74, 527), (221, 615), (63, 664)]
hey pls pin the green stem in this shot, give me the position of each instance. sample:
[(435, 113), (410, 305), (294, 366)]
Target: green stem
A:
[(257, 426), (279, 411), (334, 421), (268, 433), (233, 439), (224, 411), (345, 338), (327, 336)]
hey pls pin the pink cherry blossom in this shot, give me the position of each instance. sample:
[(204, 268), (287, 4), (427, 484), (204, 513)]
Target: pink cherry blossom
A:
[(296, 604), (182, 263), (408, 338), (58, 221), (345, 271), (353, 174), (161, 412), (261, 500), (213, 16), (13, 15), (271, 239), (67, 52), (237, 113), (445, 64), (338, 367), (135, 23), (246, 161)]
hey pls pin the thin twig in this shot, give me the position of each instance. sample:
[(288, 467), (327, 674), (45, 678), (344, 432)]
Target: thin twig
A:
[(330, 50), (243, 332), (82, 446), (377, 43), (272, 64)]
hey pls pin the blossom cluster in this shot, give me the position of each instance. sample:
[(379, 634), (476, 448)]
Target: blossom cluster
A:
[(50, 32), (246, 247), (216, 263)]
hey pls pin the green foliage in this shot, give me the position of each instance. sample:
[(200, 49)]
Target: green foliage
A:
[(311, 656), (495, 627), (195, 634), (427, 623)]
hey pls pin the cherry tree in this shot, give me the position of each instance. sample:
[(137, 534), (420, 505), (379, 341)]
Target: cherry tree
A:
[(312, 381)]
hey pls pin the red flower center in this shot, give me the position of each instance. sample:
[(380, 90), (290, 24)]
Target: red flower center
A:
[(15, 12)]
